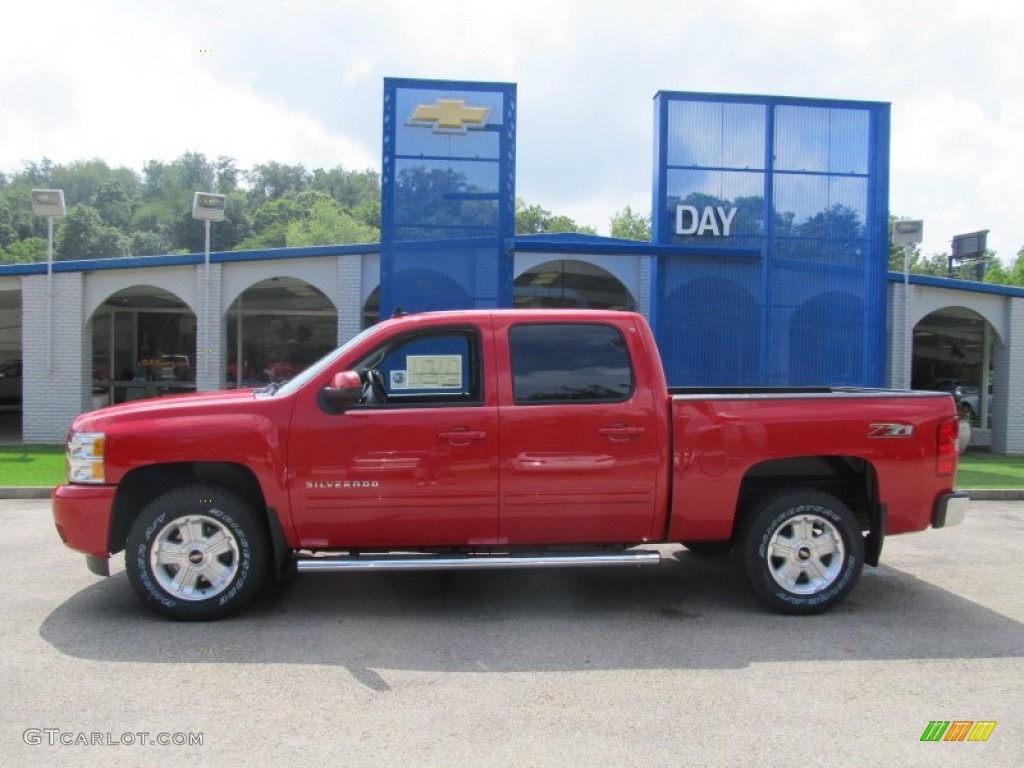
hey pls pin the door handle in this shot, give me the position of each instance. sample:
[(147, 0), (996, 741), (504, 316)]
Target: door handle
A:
[(620, 432), (462, 436)]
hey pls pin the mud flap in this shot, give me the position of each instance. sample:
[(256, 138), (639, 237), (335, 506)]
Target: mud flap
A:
[(876, 536)]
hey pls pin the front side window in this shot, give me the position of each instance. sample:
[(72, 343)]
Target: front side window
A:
[(432, 368), (569, 363)]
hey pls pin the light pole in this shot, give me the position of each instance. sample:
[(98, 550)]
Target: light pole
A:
[(207, 207), (48, 203), (907, 234)]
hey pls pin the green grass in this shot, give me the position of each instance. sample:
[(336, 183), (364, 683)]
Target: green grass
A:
[(31, 465), (990, 470), (43, 465)]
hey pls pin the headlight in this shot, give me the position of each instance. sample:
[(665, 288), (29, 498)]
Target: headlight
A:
[(85, 457)]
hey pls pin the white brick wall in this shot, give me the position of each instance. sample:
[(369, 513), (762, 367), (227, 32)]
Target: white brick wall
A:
[(56, 382), (210, 329), (643, 293), (1008, 393), (348, 297), (898, 361)]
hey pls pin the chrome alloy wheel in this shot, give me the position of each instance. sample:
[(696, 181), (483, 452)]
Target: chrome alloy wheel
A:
[(194, 557), (806, 554)]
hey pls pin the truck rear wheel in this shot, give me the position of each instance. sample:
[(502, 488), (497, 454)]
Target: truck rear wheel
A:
[(197, 553), (801, 551)]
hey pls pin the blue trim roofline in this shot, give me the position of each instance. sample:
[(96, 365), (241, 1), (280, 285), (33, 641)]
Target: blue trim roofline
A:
[(296, 253), (566, 242), (958, 285), (180, 259), (128, 262), (7, 270)]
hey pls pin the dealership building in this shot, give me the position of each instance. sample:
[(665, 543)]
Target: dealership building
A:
[(767, 267)]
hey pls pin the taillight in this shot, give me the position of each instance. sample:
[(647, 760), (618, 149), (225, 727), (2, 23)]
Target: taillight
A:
[(946, 453)]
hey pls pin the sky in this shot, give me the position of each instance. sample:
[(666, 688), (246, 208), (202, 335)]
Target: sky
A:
[(302, 82)]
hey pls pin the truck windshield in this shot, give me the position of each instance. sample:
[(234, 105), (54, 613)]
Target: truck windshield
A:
[(295, 384)]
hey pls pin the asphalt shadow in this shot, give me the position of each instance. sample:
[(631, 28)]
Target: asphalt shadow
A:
[(690, 612)]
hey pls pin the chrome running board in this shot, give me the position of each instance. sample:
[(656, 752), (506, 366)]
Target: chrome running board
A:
[(448, 563)]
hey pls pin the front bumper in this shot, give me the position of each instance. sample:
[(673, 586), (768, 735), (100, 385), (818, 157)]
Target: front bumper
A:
[(950, 509), (82, 514)]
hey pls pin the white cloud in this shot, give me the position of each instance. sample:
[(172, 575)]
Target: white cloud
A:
[(959, 168), (302, 82), (128, 97)]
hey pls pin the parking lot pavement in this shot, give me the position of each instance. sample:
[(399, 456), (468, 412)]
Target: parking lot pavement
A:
[(669, 666)]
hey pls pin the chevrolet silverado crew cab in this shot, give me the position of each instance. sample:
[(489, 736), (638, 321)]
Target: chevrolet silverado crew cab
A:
[(501, 439)]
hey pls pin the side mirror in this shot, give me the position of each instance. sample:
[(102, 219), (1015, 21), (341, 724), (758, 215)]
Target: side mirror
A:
[(344, 390)]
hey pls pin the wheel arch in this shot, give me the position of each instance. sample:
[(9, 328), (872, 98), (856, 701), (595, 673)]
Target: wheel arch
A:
[(144, 484), (851, 479)]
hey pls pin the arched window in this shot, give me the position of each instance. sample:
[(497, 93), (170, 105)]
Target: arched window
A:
[(143, 344), (276, 328), (571, 283)]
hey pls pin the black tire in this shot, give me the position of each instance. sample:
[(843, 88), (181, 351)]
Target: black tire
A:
[(215, 535), (801, 551), (708, 547)]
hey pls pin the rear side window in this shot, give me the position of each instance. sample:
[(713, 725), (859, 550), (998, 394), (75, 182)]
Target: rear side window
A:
[(569, 362)]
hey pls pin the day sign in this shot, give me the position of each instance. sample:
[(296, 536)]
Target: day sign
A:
[(712, 220)]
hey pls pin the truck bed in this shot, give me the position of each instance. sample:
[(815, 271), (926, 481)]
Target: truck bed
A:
[(727, 441)]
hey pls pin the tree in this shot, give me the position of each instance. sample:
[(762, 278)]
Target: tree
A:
[(350, 188), (28, 251), (631, 226), (1011, 275), (535, 220), (33, 175), (165, 210), (8, 234), (83, 235), (271, 181), (192, 172), (150, 244), (81, 180), (936, 265), (189, 235), (329, 223), (531, 219), (17, 222), (270, 224), (226, 172), (368, 212), (156, 180), (114, 202)]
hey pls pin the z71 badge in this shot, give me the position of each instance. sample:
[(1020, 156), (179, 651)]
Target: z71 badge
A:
[(891, 430)]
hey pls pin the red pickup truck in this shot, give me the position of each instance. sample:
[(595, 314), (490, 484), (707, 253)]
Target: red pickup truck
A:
[(502, 439)]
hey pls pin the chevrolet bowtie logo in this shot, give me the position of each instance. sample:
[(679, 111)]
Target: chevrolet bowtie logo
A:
[(450, 116)]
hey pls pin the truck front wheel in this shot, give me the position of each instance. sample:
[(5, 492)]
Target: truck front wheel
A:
[(197, 553), (801, 551)]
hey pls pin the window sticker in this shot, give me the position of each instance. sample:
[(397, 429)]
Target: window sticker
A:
[(399, 380), (433, 372)]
